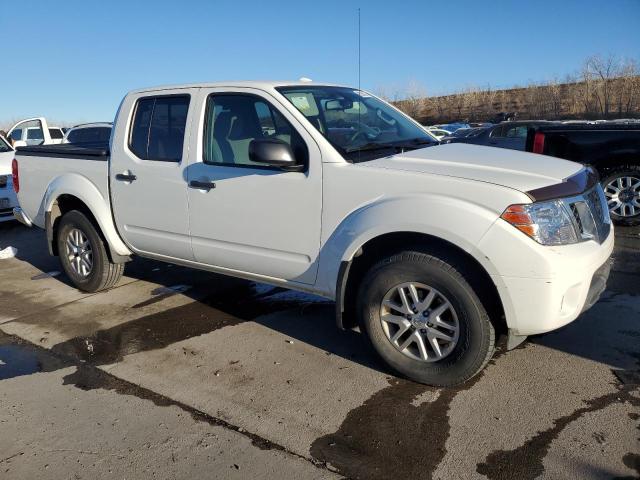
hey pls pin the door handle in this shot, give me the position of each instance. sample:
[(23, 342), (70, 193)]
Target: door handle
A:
[(202, 185), (126, 177)]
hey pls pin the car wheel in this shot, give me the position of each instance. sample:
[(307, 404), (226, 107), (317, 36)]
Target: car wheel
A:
[(424, 319), (83, 254), (622, 189)]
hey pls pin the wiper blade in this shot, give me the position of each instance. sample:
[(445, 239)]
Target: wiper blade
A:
[(371, 146), (414, 143)]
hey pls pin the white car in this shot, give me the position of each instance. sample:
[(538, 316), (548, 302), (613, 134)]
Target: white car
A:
[(8, 198), (35, 131), (433, 251), (93, 133)]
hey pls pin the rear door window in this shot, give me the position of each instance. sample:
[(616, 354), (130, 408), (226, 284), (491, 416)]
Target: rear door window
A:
[(158, 128)]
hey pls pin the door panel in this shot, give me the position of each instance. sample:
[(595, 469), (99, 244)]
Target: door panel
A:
[(256, 220), (147, 174)]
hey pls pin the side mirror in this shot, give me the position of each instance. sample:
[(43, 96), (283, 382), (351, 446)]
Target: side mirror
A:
[(272, 152)]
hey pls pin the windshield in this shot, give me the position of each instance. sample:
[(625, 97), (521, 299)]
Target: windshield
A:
[(358, 125)]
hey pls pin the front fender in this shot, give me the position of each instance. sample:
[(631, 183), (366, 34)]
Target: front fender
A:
[(86, 191), (455, 220)]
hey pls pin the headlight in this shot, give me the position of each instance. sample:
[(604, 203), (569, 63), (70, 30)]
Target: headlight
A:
[(563, 221)]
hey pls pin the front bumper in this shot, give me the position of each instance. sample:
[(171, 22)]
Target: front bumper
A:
[(543, 288), (8, 198)]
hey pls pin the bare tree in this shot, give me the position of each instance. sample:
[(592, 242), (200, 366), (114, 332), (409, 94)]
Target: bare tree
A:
[(602, 71), (415, 99)]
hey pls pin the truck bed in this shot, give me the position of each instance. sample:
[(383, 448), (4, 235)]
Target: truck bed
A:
[(40, 166), (587, 143), (90, 151)]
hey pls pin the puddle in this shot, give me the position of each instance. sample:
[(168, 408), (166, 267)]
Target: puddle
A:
[(16, 360), (158, 330), (526, 461), (19, 358), (400, 432)]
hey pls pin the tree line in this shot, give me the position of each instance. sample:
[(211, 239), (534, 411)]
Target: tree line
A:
[(604, 88)]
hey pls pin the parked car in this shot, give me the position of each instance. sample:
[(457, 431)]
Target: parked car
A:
[(511, 135), (462, 132), (452, 127), (438, 132), (89, 133), (613, 149), (432, 250), (35, 131), (8, 198)]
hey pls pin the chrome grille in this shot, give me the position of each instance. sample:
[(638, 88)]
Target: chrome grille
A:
[(591, 214)]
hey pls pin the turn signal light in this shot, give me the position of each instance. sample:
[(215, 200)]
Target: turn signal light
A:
[(518, 216)]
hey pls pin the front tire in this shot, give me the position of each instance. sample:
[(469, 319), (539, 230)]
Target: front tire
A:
[(83, 254), (622, 189), (437, 332)]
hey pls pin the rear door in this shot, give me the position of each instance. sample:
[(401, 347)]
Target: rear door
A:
[(256, 219), (147, 173)]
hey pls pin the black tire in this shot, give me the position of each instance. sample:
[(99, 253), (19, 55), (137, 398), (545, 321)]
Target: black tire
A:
[(476, 342), (613, 175), (104, 274)]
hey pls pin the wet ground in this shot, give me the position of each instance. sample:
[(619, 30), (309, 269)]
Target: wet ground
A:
[(183, 374)]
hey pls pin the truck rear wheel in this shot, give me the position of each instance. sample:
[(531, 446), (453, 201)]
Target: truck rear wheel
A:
[(424, 319), (622, 189), (83, 254)]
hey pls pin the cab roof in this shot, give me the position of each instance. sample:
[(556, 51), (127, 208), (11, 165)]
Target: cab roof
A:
[(258, 84)]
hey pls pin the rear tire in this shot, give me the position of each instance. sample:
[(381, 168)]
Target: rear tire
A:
[(441, 305), (83, 254), (622, 189)]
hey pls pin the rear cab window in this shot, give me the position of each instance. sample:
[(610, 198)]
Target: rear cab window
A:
[(158, 127), (89, 135), (55, 133)]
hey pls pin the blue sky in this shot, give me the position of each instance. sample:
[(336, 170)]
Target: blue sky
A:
[(74, 60)]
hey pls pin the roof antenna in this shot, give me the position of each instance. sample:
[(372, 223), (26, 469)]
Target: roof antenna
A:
[(358, 49), (359, 91)]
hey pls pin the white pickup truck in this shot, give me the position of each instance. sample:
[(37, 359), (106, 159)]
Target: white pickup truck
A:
[(35, 131), (432, 250)]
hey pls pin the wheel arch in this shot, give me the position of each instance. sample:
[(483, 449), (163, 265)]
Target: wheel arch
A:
[(614, 161), (353, 269), (75, 192)]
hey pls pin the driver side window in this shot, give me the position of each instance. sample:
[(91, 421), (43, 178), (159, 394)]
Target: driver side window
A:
[(233, 121)]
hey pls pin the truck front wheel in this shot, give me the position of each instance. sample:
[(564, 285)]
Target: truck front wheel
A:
[(83, 254), (424, 319)]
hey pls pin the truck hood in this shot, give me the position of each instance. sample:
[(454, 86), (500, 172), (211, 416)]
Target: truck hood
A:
[(510, 168), (5, 162)]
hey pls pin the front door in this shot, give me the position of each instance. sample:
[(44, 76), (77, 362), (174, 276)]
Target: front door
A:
[(147, 174), (245, 216)]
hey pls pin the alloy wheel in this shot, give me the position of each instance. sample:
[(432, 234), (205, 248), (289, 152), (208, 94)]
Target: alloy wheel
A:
[(623, 196), (79, 253), (419, 321)]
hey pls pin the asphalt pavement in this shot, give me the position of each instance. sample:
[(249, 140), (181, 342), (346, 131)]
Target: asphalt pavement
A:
[(177, 373)]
